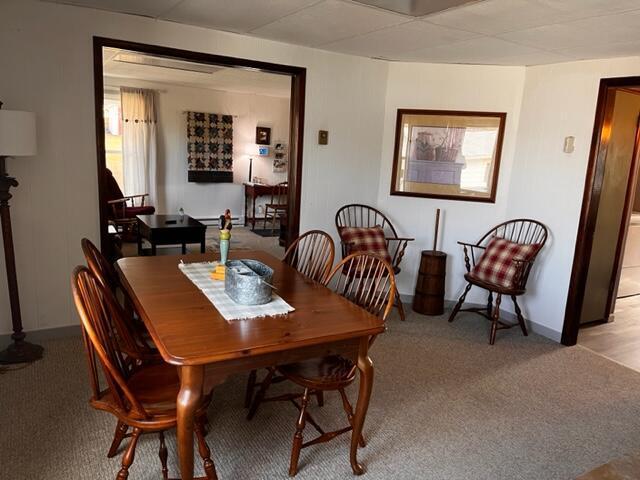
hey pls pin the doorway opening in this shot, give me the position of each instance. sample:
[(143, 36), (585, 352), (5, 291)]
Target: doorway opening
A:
[(205, 113), (605, 281)]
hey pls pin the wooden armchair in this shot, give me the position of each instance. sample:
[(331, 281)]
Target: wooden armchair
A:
[(363, 216), (500, 262), (122, 209), (141, 396), (277, 205)]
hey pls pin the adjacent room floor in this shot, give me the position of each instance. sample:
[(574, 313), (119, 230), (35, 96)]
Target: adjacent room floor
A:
[(445, 405), (618, 340), (242, 238)]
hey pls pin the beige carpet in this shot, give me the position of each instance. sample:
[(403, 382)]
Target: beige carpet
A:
[(445, 406)]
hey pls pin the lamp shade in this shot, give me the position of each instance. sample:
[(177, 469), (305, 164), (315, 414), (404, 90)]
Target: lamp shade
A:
[(17, 133)]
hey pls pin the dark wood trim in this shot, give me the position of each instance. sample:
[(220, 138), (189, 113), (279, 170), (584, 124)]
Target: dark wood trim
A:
[(590, 202), (298, 81), (462, 113), (98, 88)]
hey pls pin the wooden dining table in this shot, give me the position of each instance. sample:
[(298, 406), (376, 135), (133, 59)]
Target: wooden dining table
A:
[(190, 333)]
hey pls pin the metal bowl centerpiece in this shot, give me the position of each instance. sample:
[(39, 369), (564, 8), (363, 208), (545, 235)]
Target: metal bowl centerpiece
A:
[(247, 282)]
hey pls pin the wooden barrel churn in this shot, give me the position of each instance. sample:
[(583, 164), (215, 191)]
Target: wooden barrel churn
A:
[(429, 295)]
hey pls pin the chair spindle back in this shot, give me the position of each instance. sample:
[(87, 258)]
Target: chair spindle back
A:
[(279, 194), (99, 265), (101, 318), (521, 230), (357, 215), (312, 254), (366, 280)]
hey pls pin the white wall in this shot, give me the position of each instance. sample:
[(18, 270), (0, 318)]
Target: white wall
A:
[(47, 57), (448, 87), (547, 184), (208, 200), (46, 53)]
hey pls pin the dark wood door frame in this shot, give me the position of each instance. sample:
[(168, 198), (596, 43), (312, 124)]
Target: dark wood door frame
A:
[(590, 203), (296, 120)]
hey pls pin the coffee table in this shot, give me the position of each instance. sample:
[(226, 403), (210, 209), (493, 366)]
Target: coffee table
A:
[(170, 230)]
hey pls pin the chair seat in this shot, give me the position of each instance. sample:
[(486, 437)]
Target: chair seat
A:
[(492, 287), (133, 211), (332, 371), (156, 387)]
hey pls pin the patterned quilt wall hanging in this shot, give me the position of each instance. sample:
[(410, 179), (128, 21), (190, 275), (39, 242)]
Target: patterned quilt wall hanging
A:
[(209, 147)]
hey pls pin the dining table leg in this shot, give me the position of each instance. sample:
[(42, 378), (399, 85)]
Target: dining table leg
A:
[(189, 398), (365, 367)]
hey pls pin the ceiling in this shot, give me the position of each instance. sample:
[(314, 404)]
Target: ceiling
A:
[(133, 65), (495, 32)]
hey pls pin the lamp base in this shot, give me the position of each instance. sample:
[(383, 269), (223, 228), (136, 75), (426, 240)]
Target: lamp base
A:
[(21, 352)]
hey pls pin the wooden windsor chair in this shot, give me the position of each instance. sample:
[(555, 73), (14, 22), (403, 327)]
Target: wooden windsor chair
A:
[(375, 292), (278, 204), (364, 216), (131, 333), (107, 276), (312, 255), (141, 396), (521, 232)]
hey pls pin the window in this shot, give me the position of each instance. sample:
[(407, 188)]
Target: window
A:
[(113, 138), (477, 149)]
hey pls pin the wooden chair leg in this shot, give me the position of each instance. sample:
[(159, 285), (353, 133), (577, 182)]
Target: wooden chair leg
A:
[(297, 437), (257, 400), (163, 454), (320, 397), (251, 385), (399, 305), (456, 309), (523, 326), (129, 455), (118, 436), (349, 410), (205, 453), (266, 213), (490, 304), (496, 317)]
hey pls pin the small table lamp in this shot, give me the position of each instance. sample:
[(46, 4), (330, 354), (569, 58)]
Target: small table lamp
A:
[(17, 139)]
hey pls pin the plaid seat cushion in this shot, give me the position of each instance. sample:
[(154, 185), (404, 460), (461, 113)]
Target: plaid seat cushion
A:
[(368, 240), (497, 265)]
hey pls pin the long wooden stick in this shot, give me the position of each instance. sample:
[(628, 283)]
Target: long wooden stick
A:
[(435, 235)]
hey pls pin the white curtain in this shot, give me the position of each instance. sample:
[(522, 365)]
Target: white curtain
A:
[(139, 120)]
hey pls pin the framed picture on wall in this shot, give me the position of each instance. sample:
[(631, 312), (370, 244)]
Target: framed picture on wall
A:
[(447, 154), (263, 136)]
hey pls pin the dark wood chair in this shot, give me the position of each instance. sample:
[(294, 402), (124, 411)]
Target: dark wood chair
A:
[(312, 255), (375, 292), (364, 216), (122, 209), (141, 396), (277, 205), (521, 231)]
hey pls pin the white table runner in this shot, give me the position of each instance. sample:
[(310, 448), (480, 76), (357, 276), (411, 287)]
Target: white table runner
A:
[(200, 274)]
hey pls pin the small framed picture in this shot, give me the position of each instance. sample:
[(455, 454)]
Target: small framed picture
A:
[(446, 154), (263, 136)]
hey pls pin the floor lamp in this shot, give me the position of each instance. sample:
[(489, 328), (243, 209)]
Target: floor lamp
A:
[(17, 139)]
